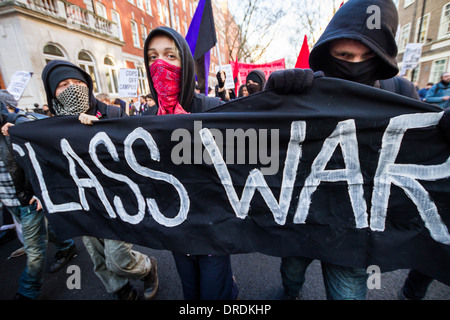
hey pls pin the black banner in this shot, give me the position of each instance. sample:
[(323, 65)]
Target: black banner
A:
[(345, 173)]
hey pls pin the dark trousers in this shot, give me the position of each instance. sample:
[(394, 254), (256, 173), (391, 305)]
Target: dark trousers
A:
[(206, 277), (416, 285)]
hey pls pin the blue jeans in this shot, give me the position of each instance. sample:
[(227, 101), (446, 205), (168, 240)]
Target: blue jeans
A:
[(35, 243), (206, 277), (341, 283)]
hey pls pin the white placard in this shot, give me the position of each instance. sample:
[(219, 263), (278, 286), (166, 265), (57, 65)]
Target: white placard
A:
[(411, 57), (19, 82), (229, 82), (128, 83)]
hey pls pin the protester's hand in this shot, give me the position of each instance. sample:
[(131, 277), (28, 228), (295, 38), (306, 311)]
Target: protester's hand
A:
[(5, 128), (87, 119), (38, 203), (291, 81), (444, 124), (446, 98), (221, 79)]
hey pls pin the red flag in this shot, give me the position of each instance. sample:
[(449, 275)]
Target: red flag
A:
[(235, 76), (303, 57)]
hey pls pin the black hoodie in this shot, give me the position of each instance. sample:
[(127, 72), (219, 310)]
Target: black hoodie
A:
[(189, 99), (354, 21), (95, 106)]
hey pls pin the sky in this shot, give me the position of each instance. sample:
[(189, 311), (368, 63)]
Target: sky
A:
[(289, 29)]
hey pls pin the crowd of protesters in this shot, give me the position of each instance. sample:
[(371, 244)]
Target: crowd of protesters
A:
[(345, 50)]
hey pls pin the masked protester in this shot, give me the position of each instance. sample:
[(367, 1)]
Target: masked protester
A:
[(69, 91), (349, 50), (255, 81), (170, 72)]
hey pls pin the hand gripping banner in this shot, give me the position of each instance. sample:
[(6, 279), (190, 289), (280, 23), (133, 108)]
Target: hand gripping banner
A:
[(345, 173)]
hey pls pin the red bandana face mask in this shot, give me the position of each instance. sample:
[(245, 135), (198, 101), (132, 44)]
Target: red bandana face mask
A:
[(167, 82)]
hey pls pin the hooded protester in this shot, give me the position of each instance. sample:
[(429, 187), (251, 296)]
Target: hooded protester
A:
[(353, 50), (77, 98), (255, 81), (170, 72), (173, 88), (69, 91)]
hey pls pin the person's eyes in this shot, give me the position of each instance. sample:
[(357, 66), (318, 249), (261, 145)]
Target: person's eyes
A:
[(171, 56), (369, 55), (343, 54), (62, 84)]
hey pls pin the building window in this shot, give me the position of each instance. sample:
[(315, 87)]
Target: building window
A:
[(407, 3), (142, 80), (160, 12), (424, 31), (143, 33), (444, 28), (166, 15), (140, 4), (52, 52), (415, 74), (111, 75), (404, 36), (86, 63), (116, 18), (100, 10), (135, 34), (148, 7), (437, 69)]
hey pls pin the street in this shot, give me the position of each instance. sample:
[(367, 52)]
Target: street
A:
[(257, 276)]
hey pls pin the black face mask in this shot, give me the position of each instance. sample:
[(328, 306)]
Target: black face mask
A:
[(253, 88), (364, 72)]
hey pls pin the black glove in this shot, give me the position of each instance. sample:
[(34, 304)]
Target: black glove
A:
[(291, 81), (220, 80), (444, 124)]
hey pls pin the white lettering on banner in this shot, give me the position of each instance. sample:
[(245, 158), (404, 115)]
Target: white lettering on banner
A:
[(388, 172), (405, 176), (85, 183), (102, 138), (256, 179), (345, 136), (140, 133)]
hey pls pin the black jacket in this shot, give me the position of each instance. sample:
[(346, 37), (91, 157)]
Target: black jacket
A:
[(191, 101), (107, 111), (352, 21)]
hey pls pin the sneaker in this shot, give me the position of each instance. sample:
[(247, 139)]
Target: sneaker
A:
[(127, 292), (151, 281), (63, 257)]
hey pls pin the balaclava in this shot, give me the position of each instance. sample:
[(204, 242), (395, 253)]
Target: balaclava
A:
[(74, 99)]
